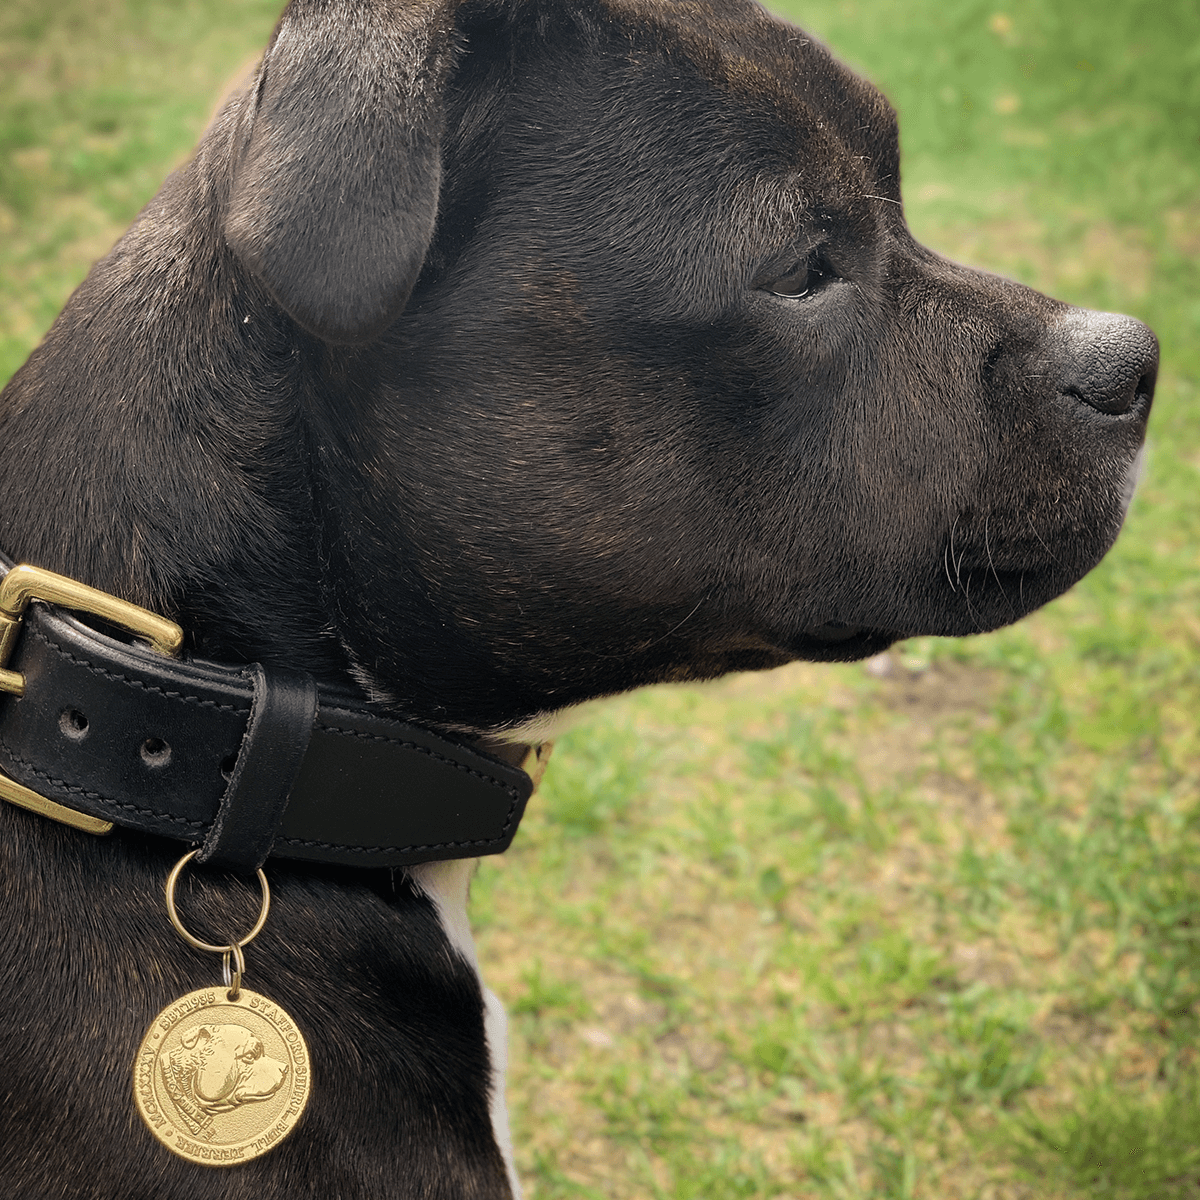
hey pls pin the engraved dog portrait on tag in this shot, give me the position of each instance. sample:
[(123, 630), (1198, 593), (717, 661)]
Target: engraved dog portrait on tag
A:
[(215, 1069), (221, 1081)]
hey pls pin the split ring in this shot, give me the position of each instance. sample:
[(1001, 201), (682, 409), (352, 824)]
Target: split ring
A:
[(173, 878), (232, 976)]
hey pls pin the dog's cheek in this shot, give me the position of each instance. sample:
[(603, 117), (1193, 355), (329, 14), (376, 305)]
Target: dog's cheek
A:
[(217, 1079)]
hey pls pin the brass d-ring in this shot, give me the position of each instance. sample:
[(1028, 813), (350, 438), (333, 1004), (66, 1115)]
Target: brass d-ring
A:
[(173, 878)]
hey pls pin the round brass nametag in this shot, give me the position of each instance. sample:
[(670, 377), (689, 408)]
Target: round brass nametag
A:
[(221, 1081)]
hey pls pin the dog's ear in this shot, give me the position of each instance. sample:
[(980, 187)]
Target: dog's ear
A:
[(200, 1033), (336, 168)]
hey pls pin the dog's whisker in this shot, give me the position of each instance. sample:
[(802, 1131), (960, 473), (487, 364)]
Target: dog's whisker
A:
[(1041, 540), (992, 566), (972, 612), (946, 567), (959, 560), (679, 625)]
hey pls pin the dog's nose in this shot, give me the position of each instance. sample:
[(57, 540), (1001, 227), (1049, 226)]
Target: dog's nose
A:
[(1106, 360)]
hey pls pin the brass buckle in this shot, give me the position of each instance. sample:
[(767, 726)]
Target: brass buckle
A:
[(25, 583)]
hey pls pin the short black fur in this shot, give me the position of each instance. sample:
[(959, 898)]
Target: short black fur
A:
[(451, 366)]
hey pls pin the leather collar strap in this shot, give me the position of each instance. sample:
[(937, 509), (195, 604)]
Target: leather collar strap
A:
[(243, 761)]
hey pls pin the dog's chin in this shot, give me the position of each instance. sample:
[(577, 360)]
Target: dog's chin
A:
[(985, 609), (835, 641), (990, 602), (980, 603)]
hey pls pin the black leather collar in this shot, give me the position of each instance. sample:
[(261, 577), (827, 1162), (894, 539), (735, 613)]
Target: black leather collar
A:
[(244, 761)]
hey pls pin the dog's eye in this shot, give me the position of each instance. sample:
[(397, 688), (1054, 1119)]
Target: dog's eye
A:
[(793, 285), (802, 279)]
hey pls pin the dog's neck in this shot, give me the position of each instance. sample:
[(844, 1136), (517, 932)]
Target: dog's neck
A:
[(444, 882)]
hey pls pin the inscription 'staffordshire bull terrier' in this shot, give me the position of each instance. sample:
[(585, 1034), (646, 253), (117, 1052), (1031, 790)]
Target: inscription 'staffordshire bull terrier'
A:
[(488, 357)]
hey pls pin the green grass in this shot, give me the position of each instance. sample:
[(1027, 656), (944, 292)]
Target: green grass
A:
[(99, 100), (928, 929)]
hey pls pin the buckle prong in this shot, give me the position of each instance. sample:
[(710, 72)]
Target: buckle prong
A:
[(18, 588)]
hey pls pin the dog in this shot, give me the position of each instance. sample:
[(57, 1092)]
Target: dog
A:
[(218, 1068), (487, 358)]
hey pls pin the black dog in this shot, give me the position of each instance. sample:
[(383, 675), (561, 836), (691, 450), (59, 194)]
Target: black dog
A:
[(485, 359)]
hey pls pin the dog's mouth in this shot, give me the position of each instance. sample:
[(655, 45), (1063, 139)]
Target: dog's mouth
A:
[(833, 631), (981, 596), (837, 641)]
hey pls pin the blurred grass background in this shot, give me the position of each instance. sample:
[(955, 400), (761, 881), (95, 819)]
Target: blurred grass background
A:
[(924, 927)]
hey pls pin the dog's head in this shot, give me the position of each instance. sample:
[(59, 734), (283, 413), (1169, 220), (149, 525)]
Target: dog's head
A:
[(221, 1067), (553, 347)]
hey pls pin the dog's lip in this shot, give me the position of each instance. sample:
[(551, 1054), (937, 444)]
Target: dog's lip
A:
[(833, 631), (839, 641)]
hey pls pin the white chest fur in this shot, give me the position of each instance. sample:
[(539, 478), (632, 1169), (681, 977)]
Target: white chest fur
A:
[(447, 884)]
